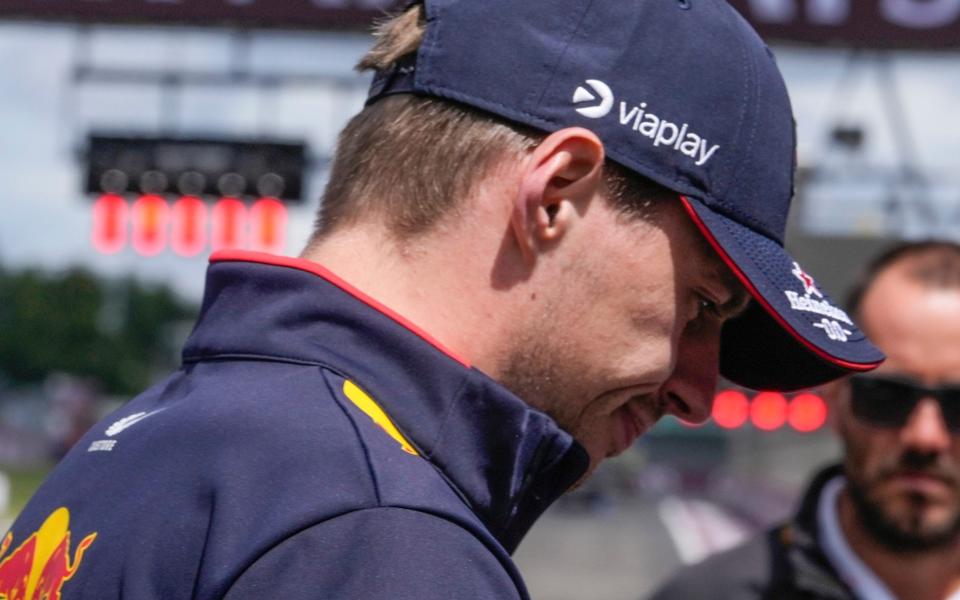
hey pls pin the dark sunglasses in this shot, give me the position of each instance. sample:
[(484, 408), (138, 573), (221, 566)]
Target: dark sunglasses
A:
[(889, 401)]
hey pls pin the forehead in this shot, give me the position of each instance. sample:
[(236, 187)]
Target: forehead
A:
[(670, 238), (710, 266), (687, 243), (915, 325)]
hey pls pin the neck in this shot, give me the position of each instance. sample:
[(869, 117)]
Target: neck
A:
[(444, 282), (928, 575)]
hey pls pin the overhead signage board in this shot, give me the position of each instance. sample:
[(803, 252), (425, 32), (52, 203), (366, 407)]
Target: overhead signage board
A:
[(877, 24), (205, 166), (297, 14), (927, 24)]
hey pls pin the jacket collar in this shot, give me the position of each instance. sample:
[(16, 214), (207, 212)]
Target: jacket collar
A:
[(508, 461), (811, 569)]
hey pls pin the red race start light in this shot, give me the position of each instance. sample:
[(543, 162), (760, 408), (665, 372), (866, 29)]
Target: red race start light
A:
[(807, 412), (150, 217), (110, 215), (768, 411), (229, 224), (189, 226), (730, 409), (268, 224)]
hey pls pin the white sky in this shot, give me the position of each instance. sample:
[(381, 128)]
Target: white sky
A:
[(46, 219)]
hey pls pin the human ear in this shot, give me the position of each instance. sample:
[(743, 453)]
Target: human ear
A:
[(563, 174)]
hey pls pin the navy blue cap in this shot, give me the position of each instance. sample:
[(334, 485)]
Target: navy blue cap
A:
[(684, 93)]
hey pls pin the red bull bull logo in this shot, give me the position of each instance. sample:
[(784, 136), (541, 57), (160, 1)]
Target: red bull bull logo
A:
[(40, 565)]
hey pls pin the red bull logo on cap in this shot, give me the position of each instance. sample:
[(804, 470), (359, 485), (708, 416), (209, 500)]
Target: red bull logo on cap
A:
[(809, 287), (40, 565)]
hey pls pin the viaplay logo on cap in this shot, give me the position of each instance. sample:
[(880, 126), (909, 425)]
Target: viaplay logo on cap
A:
[(598, 92), (599, 101)]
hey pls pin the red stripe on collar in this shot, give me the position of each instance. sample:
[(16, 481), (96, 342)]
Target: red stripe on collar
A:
[(316, 269)]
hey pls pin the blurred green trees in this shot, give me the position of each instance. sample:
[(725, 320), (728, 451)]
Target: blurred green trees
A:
[(118, 331)]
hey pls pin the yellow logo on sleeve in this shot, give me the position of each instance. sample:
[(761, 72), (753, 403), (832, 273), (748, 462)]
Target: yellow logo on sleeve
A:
[(373, 410)]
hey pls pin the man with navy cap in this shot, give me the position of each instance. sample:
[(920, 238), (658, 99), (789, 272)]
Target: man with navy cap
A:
[(553, 223)]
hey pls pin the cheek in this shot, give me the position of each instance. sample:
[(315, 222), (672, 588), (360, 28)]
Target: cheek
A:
[(866, 452), (653, 333), (623, 341)]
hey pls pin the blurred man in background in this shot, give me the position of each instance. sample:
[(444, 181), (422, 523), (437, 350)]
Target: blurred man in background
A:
[(885, 524), (532, 238)]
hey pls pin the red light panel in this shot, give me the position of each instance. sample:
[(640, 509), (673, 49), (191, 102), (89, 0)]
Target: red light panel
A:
[(807, 412), (768, 411), (730, 409), (229, 224), (268, 224), (189, 224), (110, 215), (184, 225), (150, 216)]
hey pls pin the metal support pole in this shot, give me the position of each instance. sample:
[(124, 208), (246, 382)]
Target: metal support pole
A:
[(70, 101), (912, 187)]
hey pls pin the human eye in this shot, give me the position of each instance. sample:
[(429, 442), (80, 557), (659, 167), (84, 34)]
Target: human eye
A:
[(707, 310), (707, 307)]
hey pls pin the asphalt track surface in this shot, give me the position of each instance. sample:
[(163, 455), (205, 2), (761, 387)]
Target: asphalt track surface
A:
[(623, 550)]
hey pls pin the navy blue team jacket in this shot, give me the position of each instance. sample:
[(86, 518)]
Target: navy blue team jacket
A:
[(313, 445)]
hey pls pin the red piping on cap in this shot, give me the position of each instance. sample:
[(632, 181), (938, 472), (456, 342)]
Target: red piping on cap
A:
[(316, 269), (763, 301)]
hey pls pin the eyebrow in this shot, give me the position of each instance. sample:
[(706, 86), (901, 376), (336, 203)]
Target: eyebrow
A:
[(739, 296)]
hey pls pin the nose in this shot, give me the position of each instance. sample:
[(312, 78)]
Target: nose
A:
[(925, 430), (688, 392)]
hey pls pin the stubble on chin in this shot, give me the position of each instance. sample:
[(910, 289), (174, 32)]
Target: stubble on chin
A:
[(548, 374), (905, 526), (531, 371)]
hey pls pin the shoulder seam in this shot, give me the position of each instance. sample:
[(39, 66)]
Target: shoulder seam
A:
[(356, 430)]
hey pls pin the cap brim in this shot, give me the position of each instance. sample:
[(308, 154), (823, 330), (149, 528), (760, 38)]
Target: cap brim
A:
[(793, 336)]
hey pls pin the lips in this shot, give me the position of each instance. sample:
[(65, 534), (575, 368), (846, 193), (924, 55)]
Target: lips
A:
[(921, 482), (628, 426)]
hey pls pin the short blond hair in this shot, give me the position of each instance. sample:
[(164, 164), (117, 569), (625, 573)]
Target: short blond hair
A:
[(408, 159)]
